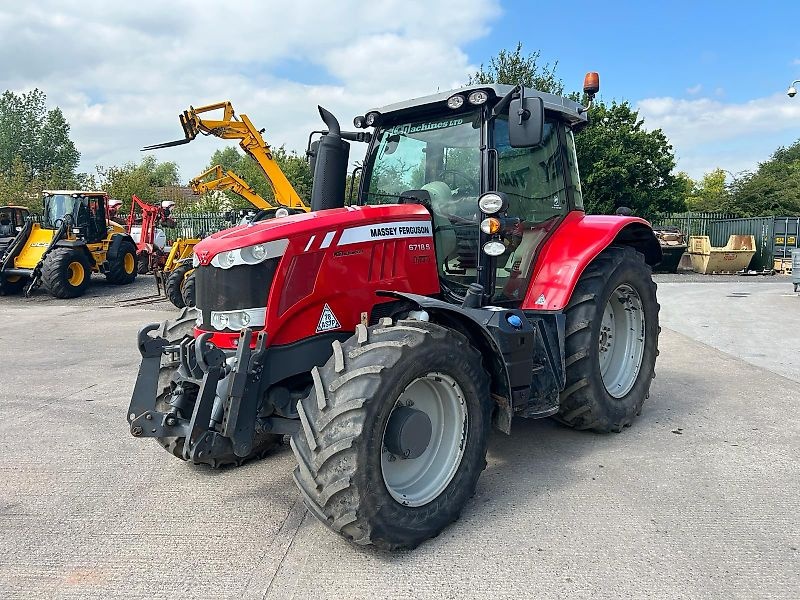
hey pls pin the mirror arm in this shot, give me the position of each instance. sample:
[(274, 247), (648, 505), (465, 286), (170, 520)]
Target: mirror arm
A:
[(498, 108)]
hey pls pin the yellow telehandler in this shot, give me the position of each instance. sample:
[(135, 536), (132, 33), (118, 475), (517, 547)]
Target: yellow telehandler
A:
[(179, 284), (74, 240)]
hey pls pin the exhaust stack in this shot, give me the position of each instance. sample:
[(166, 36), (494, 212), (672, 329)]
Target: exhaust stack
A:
[(330, 166)]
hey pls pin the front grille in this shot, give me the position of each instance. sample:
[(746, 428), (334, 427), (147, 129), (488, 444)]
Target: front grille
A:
[(243, 286)]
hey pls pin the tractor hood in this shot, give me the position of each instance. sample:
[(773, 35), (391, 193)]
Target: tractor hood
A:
[(317, 230)]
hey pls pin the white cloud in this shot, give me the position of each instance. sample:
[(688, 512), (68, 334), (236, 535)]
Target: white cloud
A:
[(123, 71), (708, 133), (695, 89), (796, 61)]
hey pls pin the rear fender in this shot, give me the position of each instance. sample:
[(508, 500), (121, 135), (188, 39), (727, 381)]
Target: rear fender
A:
[(577, 242)]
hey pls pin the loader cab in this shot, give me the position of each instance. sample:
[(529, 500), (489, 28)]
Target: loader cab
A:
[(449, 150), (12, 220), (85, 214)]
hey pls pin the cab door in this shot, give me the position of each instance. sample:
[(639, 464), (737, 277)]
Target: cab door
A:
[(538, 184)]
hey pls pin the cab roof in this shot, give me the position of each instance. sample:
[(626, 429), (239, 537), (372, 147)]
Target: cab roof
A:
[(568, 109)]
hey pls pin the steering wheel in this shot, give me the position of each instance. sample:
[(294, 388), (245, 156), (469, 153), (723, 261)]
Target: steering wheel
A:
[(454, 173)]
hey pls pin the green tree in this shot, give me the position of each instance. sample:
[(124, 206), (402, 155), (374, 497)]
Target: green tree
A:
[(772, 189), (514, 67), (624, 164), (709, 194), (142, 179), (36, 137)]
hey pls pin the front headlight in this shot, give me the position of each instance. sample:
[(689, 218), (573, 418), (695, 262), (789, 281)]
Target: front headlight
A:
[(238, 319), (250, 255)]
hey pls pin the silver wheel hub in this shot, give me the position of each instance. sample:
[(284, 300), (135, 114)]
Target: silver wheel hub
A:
[(424, 439), (621, 341)]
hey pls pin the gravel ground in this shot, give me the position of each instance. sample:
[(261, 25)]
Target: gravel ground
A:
[(102, 294), (699, 499), (692, 277)]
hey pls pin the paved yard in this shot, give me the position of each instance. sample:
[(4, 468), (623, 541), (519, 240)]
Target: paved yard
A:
[(699, 499)]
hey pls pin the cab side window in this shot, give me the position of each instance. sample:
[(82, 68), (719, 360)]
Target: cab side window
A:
[(532, 178)]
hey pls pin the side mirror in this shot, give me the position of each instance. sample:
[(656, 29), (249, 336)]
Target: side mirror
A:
[(526, 122)]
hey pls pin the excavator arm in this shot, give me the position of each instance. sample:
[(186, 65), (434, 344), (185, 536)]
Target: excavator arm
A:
[(233, 127)]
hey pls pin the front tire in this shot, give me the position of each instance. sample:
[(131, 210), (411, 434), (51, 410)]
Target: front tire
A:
[(611, 342), (66, 272), (352, 426), (12, 285)]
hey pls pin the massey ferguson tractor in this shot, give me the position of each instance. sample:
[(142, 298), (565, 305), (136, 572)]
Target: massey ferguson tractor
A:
[(465, 287)]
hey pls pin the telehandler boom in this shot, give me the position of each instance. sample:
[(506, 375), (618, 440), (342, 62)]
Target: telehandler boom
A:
[(233, 127)]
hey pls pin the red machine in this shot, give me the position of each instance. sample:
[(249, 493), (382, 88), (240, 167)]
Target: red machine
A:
[(143, 222), (465, 288)]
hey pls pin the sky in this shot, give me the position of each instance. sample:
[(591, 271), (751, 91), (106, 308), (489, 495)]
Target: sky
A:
[(713, 75)]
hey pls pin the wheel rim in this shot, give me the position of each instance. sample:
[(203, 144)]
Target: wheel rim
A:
[(129, 263), (75, 274), (622, 341), (418, 481)]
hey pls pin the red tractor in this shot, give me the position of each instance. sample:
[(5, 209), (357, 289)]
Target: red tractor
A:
[(466, 287)]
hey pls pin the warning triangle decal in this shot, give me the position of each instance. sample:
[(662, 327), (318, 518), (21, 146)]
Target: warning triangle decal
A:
[(327, 320)]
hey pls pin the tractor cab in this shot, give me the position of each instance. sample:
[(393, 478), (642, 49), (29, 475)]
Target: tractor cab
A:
[(496, 169), (84, 214)]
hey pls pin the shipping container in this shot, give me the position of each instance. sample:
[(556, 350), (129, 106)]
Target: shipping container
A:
[(776, 237)]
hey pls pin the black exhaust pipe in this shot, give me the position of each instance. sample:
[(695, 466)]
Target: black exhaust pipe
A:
[(330, 166)]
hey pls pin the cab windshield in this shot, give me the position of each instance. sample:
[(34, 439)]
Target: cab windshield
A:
[(441, 156), (56, 206)]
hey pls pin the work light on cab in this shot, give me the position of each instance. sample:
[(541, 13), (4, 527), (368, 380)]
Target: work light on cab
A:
[(455, 102), (494, 248), (492, 202), (478, 97)]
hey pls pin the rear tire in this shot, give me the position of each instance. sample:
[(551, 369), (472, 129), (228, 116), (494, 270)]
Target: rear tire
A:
[(66, 272), (124, 268), (173, 331), (613, 303), (342, 449), (175, 283)]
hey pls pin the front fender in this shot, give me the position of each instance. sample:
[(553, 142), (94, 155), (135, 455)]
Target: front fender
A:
[(577, 242), (117, 241), (507, 350)]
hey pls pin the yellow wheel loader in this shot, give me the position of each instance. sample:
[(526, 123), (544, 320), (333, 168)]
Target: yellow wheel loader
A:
[(74, 240)]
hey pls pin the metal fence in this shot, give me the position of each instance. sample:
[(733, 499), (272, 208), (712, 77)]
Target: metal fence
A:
[(691, 223), (192, 225)]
